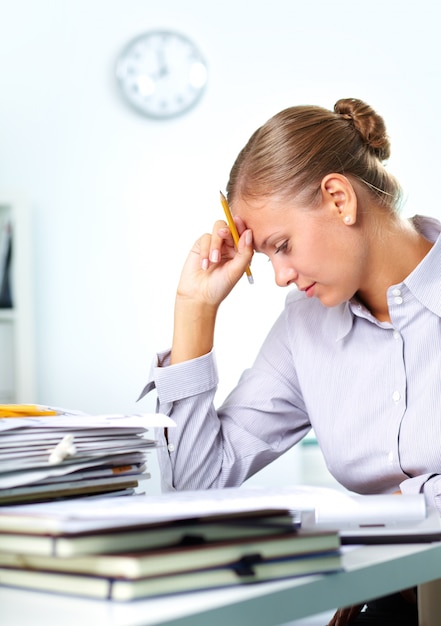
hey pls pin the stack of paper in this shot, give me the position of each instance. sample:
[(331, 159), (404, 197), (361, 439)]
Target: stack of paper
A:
[(153, 546), (60, 454)]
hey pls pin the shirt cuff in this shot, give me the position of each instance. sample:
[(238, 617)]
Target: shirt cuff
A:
[(165, 467), (428, 484), (181, 380)]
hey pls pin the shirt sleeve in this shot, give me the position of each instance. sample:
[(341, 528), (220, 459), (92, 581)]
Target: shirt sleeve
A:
[(185, 392), (429, 484), (261, 419)]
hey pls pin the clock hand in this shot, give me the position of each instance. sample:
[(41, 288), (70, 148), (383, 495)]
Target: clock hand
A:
[(162, 65)]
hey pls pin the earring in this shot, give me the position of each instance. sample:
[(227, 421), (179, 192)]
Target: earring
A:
[(347, 219)]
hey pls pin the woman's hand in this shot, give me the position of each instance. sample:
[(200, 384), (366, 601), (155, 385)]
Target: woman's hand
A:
[(214, 266), (211, 270)]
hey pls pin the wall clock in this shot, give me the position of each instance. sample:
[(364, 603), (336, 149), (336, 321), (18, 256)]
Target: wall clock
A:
[(161, 73)]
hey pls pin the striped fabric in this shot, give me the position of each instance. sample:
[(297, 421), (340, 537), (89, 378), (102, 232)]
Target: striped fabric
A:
[(371, 391)]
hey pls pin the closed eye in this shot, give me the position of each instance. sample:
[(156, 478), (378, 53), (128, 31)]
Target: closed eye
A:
[(282, 248)]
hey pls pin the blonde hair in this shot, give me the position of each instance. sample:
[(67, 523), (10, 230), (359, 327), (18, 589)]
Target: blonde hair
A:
[(295, 149)]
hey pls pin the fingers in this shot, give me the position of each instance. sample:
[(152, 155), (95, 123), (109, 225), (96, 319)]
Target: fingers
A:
[(210, 246), (221, 235), (214, 266), (240, 225), (204, 244), (220, 245)]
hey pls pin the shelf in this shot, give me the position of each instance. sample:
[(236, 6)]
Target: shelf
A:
[(7, 315), (17, 369)]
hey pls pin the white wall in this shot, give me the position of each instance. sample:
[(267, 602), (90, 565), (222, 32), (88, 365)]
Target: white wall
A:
[(116, 199)]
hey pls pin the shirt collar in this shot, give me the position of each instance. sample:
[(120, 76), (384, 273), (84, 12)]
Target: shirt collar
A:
[(424, 282), (343, 319)]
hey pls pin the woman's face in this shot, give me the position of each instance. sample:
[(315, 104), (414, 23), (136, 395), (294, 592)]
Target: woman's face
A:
[(313, 248)]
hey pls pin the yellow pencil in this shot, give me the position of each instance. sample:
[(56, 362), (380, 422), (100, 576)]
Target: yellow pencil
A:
[(26, 410), (235, 234)]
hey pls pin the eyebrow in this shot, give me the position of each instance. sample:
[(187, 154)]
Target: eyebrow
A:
[(264, 245)]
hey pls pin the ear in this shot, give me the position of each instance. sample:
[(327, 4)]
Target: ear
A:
[(339, 195)]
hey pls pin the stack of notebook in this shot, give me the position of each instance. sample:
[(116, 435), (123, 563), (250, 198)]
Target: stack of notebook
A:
[(47, 454), (154, 546)]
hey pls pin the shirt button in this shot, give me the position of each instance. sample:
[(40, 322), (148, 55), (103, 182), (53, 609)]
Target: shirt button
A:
[(390, 458), (396, 292), (396, 334), (171, 447), (396, 396), (398, 300)]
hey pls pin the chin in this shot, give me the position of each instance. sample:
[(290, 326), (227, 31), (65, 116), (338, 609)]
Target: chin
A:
[(329, 301)]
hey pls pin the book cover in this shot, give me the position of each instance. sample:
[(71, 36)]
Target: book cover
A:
[(149, 535), (174, 559), (49, 491), (243, 572)]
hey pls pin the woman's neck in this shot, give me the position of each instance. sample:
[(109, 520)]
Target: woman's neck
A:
[(402, 248)]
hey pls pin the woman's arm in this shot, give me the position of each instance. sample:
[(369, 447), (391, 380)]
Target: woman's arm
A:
[(212, 269), (262, 417)]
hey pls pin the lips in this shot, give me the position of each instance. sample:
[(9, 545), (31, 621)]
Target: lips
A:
[(309, 290)]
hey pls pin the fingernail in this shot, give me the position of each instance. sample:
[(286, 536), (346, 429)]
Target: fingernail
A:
[(204, 264), (248, 237), (214, 256)]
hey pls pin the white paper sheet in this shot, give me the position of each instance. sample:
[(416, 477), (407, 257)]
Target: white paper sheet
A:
[(327, 503), (27, 444), (143, 422)]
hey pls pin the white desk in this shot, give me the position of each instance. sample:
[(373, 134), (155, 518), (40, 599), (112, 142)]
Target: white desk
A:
[(370, 572)]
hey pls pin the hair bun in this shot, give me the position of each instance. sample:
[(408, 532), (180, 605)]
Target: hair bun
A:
[(367, 123)]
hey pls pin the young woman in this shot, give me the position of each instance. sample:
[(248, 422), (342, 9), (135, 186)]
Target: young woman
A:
[(356, 353)]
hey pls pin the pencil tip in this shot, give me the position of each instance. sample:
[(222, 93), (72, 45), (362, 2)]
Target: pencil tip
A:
[(251, 280)]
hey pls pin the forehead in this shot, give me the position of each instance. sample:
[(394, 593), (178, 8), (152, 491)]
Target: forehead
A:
[(257, 211), (268, 218)]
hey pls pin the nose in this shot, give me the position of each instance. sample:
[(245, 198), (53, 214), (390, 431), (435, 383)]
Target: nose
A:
[(284, 274)]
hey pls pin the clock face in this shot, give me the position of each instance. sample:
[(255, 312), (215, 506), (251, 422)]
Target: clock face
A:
[(162, 74)]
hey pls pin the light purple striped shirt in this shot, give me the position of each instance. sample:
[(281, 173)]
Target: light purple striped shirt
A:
[(371, 390)]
